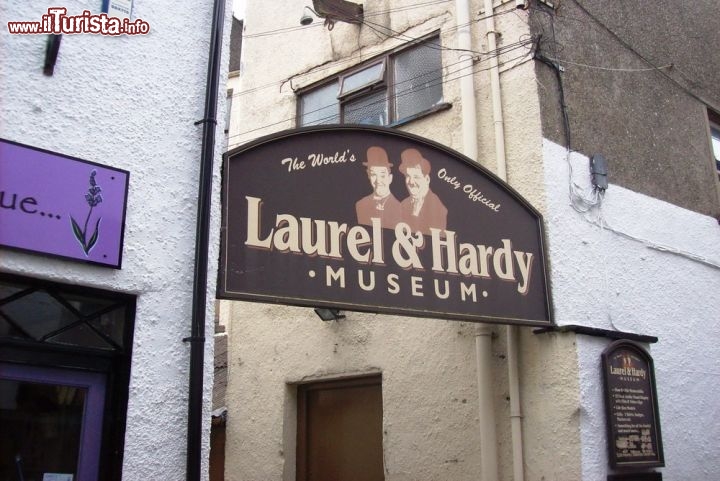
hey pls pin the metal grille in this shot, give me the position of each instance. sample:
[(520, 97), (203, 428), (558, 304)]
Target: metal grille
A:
[(418, 81), (368, 110), (47, 313)]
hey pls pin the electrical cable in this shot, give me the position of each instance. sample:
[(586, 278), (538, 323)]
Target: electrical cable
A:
[(610, 69), (602, 223), (366, 14), (402, 36), (370, 25), (431, 83), (332, 66), (505, 49), (406, 7), (314, 72), (579, 200), (443, 80), (645, 59), (583, 204)]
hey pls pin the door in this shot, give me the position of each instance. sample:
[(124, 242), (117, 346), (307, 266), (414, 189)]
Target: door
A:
[(340, 431), (51, 423)]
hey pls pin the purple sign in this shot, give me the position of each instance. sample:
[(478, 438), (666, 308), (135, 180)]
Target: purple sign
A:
[(62, 206)]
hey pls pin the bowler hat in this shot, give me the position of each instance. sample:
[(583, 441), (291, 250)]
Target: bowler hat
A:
[(412, 158), (377, 157)]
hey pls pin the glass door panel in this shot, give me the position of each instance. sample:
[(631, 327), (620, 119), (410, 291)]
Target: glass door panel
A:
[(51, 423)]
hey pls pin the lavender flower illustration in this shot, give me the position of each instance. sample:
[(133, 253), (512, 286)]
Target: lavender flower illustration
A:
[(93, 198)]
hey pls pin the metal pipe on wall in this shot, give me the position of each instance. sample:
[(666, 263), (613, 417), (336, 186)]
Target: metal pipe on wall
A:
[(495, 91), (488, 436), (512, 331), (202, 243), (483, 338), (467, 82), (515, 412)]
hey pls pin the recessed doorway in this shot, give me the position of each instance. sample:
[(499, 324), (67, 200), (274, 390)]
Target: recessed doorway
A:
[(340, 430)]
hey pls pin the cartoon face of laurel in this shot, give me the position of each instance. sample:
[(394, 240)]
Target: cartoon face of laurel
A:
[(381, 203), (380, 180)]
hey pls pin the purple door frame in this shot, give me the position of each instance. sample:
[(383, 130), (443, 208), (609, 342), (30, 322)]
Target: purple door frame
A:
[(94, 382)]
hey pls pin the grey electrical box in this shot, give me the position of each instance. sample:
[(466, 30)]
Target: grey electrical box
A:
[(599, 171)]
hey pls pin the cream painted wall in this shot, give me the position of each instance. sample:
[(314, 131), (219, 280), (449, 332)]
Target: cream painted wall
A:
[(429, 399), (430, 392)]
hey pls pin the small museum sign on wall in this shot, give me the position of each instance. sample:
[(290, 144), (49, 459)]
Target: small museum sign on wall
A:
[(633, 421), (373, 219)]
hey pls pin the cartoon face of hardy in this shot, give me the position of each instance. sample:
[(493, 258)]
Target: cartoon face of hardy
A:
[(417, 183), (416, 170)]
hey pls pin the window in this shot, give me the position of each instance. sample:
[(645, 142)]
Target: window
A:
[(228, 111), (64, 374), (715, 138), (395, 88)]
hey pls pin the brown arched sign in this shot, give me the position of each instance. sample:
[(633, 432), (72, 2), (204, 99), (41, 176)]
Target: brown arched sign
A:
[(373, 219)]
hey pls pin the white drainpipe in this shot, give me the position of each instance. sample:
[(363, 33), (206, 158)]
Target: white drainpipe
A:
[(512, 331), (483, 338)]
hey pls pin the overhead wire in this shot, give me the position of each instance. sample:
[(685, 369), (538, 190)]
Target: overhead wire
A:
[(331, 66), (444, 79), (580, 201), (440, 80), (610, 69), (402, 9), (373, 26), (325, 120), (334, 66), (499, 51), (630, 48), (402, 36), (365, 14)]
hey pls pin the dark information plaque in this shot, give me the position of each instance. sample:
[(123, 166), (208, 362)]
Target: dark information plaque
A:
[(633, 422)]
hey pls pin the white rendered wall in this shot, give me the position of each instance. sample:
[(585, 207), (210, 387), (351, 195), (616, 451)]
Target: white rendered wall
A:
[(653, 269), (130, 102)]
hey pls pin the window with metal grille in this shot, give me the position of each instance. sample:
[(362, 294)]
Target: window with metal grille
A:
[(48, 314), (388, 90), (80, 331)]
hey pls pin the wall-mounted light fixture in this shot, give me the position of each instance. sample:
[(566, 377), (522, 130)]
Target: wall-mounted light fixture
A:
[(306, 19), (333, 11), (329, 314)]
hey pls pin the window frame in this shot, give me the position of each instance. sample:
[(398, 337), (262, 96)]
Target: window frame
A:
[(714, 125), (388, 84), (115, 364), (366, 88), (228, 110)]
